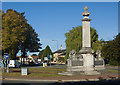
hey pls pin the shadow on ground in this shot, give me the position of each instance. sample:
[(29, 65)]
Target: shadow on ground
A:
[(101, 81)]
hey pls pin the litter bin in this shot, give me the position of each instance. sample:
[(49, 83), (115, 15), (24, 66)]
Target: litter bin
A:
[(24, 71)]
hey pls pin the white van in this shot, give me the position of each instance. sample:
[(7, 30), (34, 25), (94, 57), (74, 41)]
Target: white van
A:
[(14, 63)]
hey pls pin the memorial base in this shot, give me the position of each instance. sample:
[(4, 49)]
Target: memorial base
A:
[(79, 73), (91, 73)]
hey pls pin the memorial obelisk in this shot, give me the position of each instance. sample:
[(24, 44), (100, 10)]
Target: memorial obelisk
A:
[(86, 51), (83, 62)]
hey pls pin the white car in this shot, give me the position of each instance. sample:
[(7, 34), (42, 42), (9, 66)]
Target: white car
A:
[(14, 63)]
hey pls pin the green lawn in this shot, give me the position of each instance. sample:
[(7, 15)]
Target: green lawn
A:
[(36, 72), (115, 71)]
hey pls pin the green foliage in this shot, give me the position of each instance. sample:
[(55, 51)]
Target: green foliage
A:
[(47, 51), (106, 49), (17, 34), (116, 47), (13, 31), (114, 62), (74, 39), (96, 45), (1, 30), (61, 59), (67, 55), (31, 42), (40, 53), (111, 49)]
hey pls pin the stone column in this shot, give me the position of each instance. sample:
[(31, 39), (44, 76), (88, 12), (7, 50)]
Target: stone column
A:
[(86, 38), (86, 34), (86, 41), (86, 51)]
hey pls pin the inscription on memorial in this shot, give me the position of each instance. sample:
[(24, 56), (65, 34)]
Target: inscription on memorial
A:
[(77, 63), (99, 63)]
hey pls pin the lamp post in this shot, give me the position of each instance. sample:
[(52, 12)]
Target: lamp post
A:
[(57, 43)]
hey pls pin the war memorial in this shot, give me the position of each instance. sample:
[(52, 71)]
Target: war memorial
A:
[(84, 62)]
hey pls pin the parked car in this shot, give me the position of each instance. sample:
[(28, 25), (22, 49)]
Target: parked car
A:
[(14, 63), (33, 64), (39, 61), (107, 60)]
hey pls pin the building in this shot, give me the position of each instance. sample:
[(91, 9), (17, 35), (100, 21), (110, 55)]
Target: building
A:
[(35, 58), (59, 56), (28, 59)]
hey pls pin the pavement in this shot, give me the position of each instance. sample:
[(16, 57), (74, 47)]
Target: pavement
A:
[(66, 78), (100, 82)]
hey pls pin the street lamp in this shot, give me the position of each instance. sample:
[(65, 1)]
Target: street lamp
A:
[(57, 43)]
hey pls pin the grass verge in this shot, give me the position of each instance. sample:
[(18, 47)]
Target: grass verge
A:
[(115, 71), (35, 72)]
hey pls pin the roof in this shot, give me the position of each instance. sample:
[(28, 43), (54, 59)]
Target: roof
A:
[(62, 54), (35, 56), (21, 56), (27, 56), (60, 51)]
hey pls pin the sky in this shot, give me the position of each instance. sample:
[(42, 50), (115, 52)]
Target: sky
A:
[(51, 20), (60, 0)]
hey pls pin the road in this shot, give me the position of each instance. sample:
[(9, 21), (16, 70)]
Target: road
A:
[(10, 82), (53, 65)]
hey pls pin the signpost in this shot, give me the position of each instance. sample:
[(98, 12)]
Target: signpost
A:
[(3, 64), (6, 62), (7, 66), (6, 57), (50, 59)]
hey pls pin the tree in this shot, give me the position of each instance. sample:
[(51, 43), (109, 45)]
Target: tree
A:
[(97, 45), (116, 47), (1, 12), (31, 43), (17, 34), (74, 39), (111, 50), (13, 31), (47, 51), (40, 54), (106, 49)]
